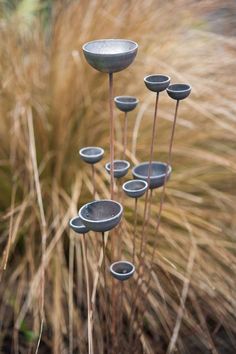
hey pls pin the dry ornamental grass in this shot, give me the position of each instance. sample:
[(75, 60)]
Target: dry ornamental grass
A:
[(52, 103)]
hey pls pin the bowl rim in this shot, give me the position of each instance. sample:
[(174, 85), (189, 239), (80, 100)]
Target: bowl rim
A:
[(110, 39), (75, 226), (173, 90), (120, 274), (117, 99), (117, 169), (135, 190), (81, 152), (160, 82), (102, 220), (152, 177)]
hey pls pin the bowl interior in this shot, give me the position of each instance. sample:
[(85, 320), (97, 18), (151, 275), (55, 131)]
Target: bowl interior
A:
[(157, 169), (110, 46), (101, 210), (135, 185), (126, 99), (157, 78), (77, 222), (122, 268), (118, 165), (91, 151), (179, 87)]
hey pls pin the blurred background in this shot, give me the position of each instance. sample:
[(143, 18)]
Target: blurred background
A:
[(51, 104)]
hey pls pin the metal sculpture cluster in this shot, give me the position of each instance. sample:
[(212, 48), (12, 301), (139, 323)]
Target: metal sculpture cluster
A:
[(110, 56)]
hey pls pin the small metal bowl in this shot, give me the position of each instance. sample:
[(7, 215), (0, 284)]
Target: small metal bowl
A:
[(179, 91), (91, 154), (122, 270), (101, 215), (157, 173), (121, 168), (77, 225), (157, 82), (126, 103), (135, 188), (110, 55)]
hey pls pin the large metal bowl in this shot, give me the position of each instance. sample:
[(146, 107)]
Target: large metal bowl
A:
[(157, 173), (101, 215), (110, 55)]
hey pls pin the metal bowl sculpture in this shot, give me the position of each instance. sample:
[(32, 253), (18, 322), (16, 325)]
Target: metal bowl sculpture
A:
[(179, 91), (122, 270), (101, 215), (157, 173), (121, 168), (91, 154), (135, 188), (126, 103), (110, 55), (77, 225), (157, 82)]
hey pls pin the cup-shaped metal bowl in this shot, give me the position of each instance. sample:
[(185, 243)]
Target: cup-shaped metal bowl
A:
[(157, 82), (122, 270), (179, 91), (135, 188), (91, 154), (157, 173), (77, 225), (121, 168), (101, 215), (126, 103), (110, 55)]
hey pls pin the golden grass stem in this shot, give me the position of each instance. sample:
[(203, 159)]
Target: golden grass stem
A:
[(32, 149)]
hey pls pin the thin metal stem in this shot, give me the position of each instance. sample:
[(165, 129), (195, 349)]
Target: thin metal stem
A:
[(105, 287), (160, 210), (93, 181), (125, 136), (143, 238), (135, 227), (111, 133), (149, 174), (85, 259)]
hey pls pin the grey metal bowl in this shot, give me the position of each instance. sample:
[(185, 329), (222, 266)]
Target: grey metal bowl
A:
[(157, 173), (77, 225), (101, 215), (179, 91), (135, 188), (110, 55), (122, 270), (126, 103), (157, 82), (121, 168), (91, 154)]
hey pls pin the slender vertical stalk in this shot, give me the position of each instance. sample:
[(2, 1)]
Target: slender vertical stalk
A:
[(85, 259), (160, 208), (125, 136), (113, 293), (149, 175), (111, 133), (32, 148), (159, 215), (71, 276), (105, 289), (143, 238), (93, 180), (135, 227)]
